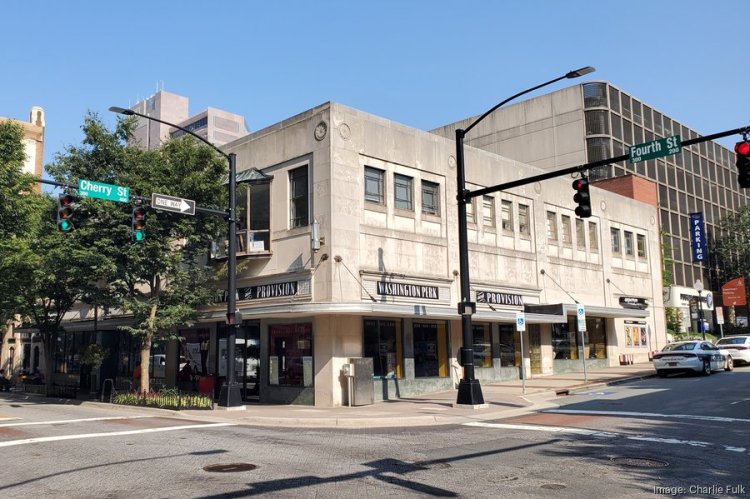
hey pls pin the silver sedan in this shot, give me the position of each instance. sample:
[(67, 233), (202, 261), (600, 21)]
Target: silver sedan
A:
[(692, 356)]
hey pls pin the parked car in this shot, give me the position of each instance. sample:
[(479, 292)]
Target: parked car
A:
[(737, 346), (692, 356), (5, 383)]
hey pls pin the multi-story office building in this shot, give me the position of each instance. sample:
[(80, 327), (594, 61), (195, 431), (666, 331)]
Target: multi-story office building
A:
[(214, 125), (594, 121), (351, 251)]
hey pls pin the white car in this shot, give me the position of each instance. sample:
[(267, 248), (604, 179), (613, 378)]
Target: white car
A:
[(692, 356), (737, 346)]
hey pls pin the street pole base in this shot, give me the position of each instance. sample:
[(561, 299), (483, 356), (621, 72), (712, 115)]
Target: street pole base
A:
[(230, 397), (470, 394)]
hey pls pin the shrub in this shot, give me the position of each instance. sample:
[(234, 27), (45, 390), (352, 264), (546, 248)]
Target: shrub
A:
[(169, 398)]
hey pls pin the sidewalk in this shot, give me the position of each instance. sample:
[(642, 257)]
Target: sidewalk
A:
[(503, 399)]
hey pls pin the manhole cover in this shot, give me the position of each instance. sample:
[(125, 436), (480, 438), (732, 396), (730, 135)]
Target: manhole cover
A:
[(640, 462), (553, 486), (229, 468)]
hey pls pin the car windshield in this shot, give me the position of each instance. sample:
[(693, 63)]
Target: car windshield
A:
[(731, 341), (679, 346)]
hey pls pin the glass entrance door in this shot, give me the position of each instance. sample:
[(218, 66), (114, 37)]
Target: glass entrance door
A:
[(535, 348), (247, 359)]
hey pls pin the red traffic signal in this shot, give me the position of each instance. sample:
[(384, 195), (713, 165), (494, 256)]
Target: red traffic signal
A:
[(742, 149), (582, 197)]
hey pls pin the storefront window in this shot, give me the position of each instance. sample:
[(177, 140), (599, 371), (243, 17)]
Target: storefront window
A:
[(564, 344), (382, 340), (67, 353), (565, 339), (509, 356), (430, 350), (290, 361), (596, 338), (482, 345)]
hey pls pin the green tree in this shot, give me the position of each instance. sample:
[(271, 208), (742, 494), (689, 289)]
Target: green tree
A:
[(163, 279), (730, 249), (19, 209)]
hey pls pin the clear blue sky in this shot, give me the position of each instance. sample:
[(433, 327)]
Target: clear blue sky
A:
[(421, 63)]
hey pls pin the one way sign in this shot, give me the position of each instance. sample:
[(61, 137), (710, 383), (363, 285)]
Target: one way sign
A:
[(169, 203)]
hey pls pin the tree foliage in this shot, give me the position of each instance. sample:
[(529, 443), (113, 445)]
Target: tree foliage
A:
[(730, 250), (162, 280)]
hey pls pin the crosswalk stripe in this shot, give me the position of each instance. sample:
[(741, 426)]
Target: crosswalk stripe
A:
[(11, 443), (66, 421)]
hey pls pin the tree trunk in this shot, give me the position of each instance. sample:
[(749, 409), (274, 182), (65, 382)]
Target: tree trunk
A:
[(146, 362), (49, 341)]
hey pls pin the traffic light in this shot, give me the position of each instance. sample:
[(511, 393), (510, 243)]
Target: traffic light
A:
[(139, 223), (742, 149), (582, 197), (66, 203)]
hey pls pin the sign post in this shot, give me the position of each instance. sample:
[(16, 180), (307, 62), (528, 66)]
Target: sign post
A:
[(719, 313), (581, 321), (521, 327)]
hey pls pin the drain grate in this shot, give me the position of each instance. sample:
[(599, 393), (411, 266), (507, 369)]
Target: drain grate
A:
[(229, 468), (640, 462)]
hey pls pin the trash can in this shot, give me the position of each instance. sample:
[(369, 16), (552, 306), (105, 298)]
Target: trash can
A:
[(363, 390)]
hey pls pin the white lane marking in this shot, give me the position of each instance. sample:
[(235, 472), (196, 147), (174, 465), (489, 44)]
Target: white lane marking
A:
[(649, 415), (600, 434), (738, 401), (64, 421), (25, 441)]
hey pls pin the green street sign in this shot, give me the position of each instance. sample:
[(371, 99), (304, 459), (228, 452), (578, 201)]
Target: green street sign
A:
[(655, 149), (91, 189)]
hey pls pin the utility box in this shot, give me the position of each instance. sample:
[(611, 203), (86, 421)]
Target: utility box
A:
[(363, 389)]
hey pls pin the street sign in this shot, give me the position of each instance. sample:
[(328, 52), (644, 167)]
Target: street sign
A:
[(520, 321), (99, 190), (170, 203), (655, 149), (581, 318)]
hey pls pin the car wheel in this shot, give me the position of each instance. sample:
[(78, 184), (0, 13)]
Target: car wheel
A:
[(730, 363), (661, 373), (706, 368)]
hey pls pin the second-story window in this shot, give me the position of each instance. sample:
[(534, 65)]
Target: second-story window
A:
[(616, 245), (470, 218), (567, 235), (374, 185), (641, 242), (551, 226), (403, 192), (580, 234), (629, 249), (299, 197), (524, 224), (488, 211), (430, 198), (507, 215), (593, 238)]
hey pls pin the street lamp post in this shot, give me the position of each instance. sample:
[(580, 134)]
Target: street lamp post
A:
[(698, 285), (230, 395), (469, 390)]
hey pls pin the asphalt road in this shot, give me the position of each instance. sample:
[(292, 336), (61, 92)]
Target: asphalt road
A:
[(682, 436)]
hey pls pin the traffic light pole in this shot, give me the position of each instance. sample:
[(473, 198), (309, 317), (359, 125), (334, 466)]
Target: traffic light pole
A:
[(580, 168)]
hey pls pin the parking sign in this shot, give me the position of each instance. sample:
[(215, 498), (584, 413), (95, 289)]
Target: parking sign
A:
[(520, 321), (581, 318)]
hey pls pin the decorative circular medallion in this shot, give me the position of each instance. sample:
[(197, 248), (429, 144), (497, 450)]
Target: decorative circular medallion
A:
[(603, 206), (320, 130), (451, 161), (652, 220), (345, 132), (538, 187)]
